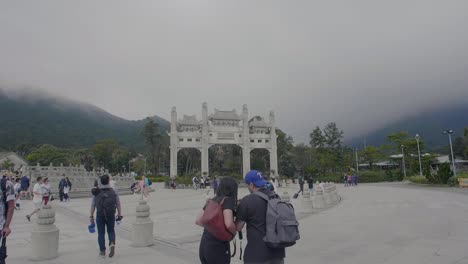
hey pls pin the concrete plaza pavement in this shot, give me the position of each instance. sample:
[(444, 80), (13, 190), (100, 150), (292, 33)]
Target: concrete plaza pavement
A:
[(383, 223)]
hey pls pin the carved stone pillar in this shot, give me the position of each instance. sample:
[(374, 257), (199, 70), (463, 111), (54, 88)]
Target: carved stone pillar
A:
[(45, 235), (142, 234), (174, 142)]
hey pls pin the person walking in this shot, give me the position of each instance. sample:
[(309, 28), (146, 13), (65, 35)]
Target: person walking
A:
[(105, 204), (61, 187), (195, 182), (45, 191), (301, 184), (202, 183), (173, 184), (17, 189), (215, 185), (24, 185), (310, 182), (37, 197), (252, 211), (7, 205), (67, 189), (212, 250)]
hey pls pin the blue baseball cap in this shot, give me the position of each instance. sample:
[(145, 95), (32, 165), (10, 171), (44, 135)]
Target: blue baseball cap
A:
[(255, 177)]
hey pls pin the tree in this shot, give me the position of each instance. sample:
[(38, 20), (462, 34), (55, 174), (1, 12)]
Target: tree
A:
[(7, 165), (333, 136), (102, 152), (285, 160), (410, 145), (371, 155), (156, 143), (47, 154), (317, 140), (331, 155)]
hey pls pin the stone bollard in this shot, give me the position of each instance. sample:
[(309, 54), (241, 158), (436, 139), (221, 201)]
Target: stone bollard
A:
[(286, 197), (142, 234), (335, 196), (318, 200), (45, 235), (327, 196), (306, 202)]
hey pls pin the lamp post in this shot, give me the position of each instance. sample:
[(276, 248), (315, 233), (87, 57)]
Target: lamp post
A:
[(129, 159), (449, 133), (419, 155), (357, 162), (403, 160)]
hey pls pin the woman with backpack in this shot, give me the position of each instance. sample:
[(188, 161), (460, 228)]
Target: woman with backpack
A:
[(212, 250)]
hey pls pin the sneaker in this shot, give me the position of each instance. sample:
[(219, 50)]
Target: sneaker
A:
[(28, 217), (112, 251), (102, 254)]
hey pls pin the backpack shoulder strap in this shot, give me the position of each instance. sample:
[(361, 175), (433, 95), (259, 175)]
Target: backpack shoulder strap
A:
[(262, 195)]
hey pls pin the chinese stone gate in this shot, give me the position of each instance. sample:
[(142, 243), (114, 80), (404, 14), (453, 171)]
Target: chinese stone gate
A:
[(223, 127)]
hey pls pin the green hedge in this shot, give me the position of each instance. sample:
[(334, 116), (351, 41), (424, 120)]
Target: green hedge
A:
[(418, 179), (371, 176)]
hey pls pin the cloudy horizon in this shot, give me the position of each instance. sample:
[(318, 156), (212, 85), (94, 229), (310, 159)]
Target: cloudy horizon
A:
[(361, 64)]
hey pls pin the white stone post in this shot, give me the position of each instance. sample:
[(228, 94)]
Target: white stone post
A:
[(142, 234), (306, 202), (274, 149), (327, 194), (174, 142), (318, 200), (246, 143), (204, 140), (336, 197), (45, 235), (286, 197)]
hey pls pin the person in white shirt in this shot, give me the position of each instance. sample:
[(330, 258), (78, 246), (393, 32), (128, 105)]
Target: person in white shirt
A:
[(37, 200), (17, 188)]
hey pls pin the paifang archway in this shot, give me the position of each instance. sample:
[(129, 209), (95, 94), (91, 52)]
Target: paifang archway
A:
[(223, 127)]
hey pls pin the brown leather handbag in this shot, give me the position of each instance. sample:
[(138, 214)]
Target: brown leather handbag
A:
[(213, 221)]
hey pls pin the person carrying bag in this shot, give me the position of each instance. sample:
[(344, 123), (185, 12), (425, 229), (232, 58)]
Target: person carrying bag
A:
[(217, 218)]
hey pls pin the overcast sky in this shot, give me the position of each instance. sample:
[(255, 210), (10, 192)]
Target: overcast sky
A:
[(359, 63)]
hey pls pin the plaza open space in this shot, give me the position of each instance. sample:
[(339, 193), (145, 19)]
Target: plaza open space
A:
[(373, 223)]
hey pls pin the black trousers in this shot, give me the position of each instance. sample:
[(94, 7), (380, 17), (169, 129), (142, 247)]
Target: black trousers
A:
[(61, 195), (214, 252)]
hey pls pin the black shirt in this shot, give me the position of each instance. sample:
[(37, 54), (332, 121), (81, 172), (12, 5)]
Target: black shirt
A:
[(252, 210), (229, 203), (311, 183)]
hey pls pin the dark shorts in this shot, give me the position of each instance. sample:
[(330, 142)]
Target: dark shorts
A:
[(24, 189)]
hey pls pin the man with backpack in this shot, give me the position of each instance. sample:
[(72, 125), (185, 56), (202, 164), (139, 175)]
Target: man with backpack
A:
[(7, 206), (105, 203), (260, 210)]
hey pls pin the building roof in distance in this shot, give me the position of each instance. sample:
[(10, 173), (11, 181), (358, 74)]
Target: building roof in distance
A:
[(225, 115), (190, 121)]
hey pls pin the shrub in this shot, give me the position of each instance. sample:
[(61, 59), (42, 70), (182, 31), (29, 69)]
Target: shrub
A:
[(452, 181), (371, 176), (418, 179), (444, 173)]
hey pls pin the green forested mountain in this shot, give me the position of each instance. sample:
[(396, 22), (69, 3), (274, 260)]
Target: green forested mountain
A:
[(32, 119), (429, 124)]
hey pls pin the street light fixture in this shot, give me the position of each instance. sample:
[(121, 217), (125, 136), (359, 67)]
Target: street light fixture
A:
[(419, 155), (403, 160), (449, 133), (357, 162)]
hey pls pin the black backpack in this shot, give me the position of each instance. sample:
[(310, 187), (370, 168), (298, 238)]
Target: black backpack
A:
[(3, 183), (106, 202)]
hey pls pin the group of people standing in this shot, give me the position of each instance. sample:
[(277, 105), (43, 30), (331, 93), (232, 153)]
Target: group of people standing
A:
[(250, 211), (64, 188), (350, 180), (204, 182)]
